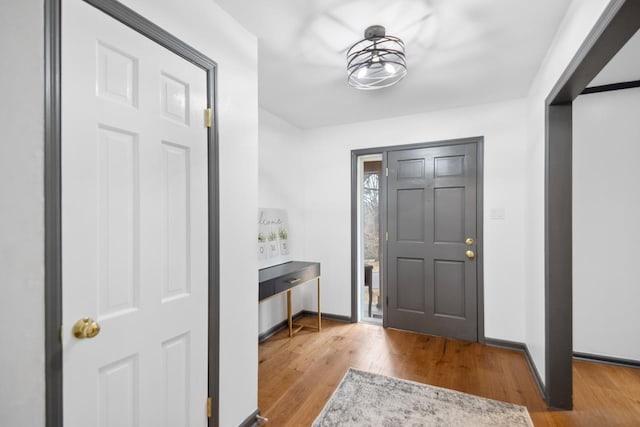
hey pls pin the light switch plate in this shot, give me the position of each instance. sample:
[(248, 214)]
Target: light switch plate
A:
[(496, 213)]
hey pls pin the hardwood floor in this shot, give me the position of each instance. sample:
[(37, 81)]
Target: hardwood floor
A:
[(298, 375)]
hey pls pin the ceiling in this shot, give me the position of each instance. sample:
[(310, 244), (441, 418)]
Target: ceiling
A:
[(459, 52)]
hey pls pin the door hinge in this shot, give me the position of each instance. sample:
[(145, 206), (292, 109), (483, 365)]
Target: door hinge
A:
[(387, 299), (207, 117), (386, 171), (209, 405), (386, 235)]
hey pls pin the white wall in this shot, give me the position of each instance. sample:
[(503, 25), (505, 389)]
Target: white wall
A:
[(205, 26), (21, 215), (576, 25), (606, 209), (327, 157), (281, 185)]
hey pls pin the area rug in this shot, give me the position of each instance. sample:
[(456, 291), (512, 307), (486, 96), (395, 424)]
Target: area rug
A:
[(366, 399)]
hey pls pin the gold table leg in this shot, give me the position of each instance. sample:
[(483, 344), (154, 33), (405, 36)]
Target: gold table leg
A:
[(297, 325)]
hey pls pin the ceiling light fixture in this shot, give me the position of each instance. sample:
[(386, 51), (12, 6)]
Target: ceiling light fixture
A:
[(377, 61)]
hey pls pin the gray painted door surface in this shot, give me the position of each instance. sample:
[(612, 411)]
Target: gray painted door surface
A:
[(431, 210)]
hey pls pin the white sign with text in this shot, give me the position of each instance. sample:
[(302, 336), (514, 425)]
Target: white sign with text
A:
[(273, 237)]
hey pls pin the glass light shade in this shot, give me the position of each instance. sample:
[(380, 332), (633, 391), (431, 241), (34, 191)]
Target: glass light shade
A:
[(376, 62)]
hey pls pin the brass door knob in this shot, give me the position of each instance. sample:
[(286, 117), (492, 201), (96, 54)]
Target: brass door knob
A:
[(469, 241), (470, 254), (86, 328)]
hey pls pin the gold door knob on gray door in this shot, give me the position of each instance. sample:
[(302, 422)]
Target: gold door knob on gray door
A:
[(470, 254)]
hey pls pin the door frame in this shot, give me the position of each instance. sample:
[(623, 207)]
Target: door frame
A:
[(381, 221), (52, 196), (617, 24), (479, 141)]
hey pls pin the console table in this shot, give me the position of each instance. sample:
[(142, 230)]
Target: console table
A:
[(282, 278)]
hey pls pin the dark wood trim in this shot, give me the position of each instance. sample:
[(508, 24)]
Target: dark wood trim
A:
[(354, 223), (480, 237), (354, 237), (142, 25), (53, 282), (251, 420), (302, 313), (607, 360), (443, 143), (611, 87), (479, 141), (558, 258), (383, 242), (52, 215), (536, 374), (275, 329), (617, 24), (328, 316), (522, 347), (214, 247), (509, 345), (278, 327)]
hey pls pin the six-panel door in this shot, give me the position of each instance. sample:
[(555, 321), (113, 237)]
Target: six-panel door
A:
[(431, 210), (134, 227)]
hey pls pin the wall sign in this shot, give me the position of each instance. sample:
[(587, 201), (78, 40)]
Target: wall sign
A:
[(273, 237)]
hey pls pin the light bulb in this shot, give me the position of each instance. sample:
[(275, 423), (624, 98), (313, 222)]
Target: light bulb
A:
[(389, 68)]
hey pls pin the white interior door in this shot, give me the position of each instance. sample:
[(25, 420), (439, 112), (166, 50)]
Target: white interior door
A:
[(134, 227)]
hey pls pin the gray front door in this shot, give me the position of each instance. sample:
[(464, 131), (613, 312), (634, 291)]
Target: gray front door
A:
[(431, 214)]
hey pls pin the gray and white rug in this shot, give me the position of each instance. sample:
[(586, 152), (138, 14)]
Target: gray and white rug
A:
[(366, 399)]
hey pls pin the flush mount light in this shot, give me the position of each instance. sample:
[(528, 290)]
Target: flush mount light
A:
[(377, 61)]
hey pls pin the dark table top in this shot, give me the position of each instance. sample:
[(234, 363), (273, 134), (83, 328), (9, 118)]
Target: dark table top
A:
[(282, 277), (272, 272)]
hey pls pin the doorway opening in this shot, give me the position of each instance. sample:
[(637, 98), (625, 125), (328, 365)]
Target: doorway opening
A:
[(177, 346), (617, 24), (429, 200), (369, 246)]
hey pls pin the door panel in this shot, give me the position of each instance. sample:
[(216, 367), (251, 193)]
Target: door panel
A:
[(410, 289), (134, 227), (431, 212), (448, 217), (411, 212), (448, 288)]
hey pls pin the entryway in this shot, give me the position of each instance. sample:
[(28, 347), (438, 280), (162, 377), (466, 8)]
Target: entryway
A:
[(370, 295), (430, 261)]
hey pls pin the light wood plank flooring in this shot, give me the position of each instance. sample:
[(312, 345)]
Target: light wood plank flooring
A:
[(297, 376)]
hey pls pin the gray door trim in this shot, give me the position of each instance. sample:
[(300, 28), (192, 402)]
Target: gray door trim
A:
[(52, 212), (52, 194), (382, 195), (479, 141), (618, 23)]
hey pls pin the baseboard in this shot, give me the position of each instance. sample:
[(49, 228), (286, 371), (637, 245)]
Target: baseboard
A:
[(278, 327), (282, 325), (520, 346), (251, 420), (509, 345), (328, 316), (607, 360)]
